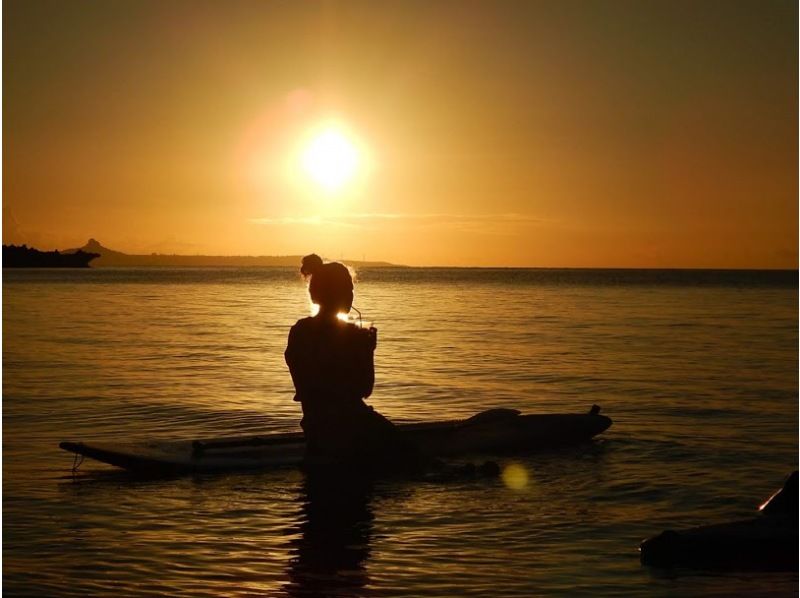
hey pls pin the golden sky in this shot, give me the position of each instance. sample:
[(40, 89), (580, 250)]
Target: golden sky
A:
[(531, 133)]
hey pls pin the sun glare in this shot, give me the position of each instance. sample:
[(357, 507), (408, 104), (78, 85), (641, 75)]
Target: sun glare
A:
[(341, 315), (331, 159), (515, 476)]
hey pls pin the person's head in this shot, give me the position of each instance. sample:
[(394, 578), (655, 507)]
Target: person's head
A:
[(331, 286)]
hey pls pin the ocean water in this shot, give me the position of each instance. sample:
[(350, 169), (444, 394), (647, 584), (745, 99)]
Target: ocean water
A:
[(698, 370)]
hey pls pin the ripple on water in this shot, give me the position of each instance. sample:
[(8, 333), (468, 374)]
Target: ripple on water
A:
[(699, 375)]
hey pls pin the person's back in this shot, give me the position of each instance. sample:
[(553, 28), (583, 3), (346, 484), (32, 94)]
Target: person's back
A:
[(330, 360), (332, 367)]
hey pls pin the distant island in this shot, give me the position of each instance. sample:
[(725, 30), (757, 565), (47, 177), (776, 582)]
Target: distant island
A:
[(22, 256), (110, 257)]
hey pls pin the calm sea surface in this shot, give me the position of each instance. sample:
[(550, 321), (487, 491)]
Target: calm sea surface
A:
[(699, 371)]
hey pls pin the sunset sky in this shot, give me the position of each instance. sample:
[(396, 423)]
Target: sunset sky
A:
[(531, 133)]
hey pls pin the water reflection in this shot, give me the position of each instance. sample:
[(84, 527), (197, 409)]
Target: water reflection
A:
[(691, 374), (330, 550)]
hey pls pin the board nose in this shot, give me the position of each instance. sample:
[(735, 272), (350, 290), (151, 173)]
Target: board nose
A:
[(72, 447)]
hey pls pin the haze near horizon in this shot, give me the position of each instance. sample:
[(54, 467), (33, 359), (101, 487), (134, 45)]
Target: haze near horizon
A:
[(593, 134)]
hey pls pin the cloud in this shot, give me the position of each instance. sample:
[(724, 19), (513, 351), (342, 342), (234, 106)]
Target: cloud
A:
[(503, 223), (12, 233), (303, 220)]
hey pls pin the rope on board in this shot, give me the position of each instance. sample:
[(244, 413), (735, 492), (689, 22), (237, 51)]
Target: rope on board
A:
[(76, 463)]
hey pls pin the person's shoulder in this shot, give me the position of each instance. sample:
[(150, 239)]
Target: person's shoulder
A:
[(358, 334), (301, 326), (351, 329)]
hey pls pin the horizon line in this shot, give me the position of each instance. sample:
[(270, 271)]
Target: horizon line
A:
[(380, 263)]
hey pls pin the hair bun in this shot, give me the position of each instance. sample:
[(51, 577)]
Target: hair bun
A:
[(311, 264)]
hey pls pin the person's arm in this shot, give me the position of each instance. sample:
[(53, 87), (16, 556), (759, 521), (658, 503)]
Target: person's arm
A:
[(367, 363), (297, 362)]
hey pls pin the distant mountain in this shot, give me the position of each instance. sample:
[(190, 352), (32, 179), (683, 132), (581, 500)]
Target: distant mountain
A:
[(94, 246), (109, 257)]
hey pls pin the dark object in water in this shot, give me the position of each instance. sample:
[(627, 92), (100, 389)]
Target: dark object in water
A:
[(22, 256), (768, 542), (493, 431)]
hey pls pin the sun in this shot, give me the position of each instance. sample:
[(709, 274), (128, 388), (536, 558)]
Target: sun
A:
[(331, 159)]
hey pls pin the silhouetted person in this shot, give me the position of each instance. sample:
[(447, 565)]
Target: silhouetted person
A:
[(332, 367)]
